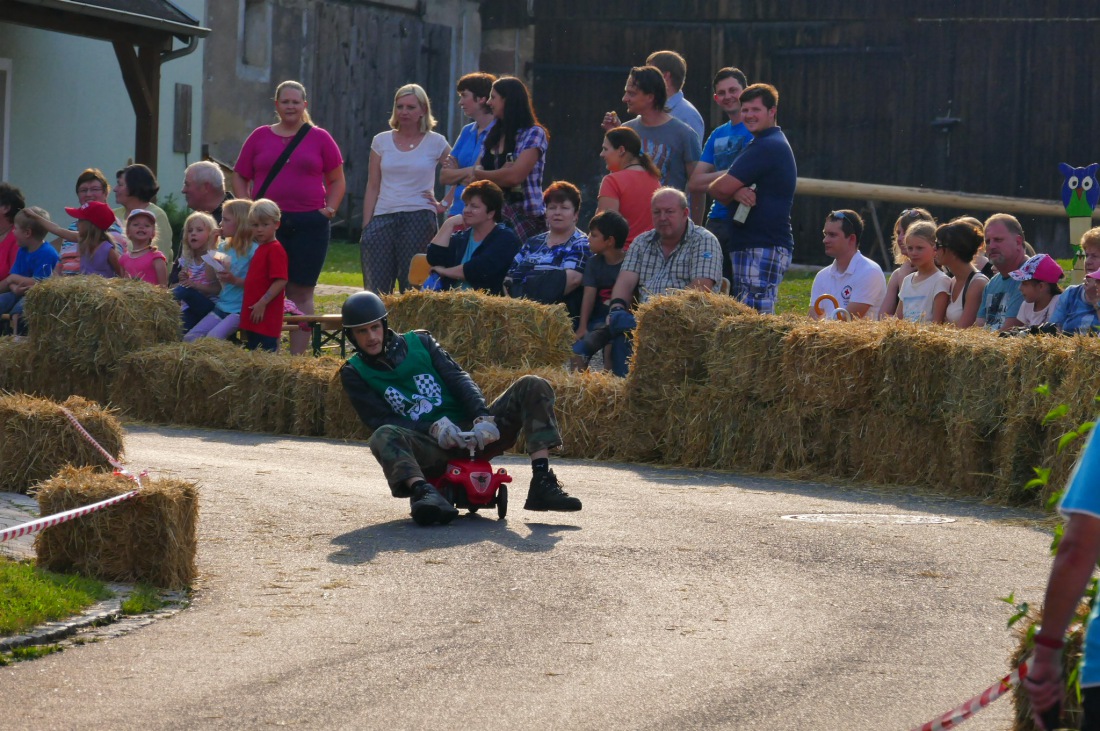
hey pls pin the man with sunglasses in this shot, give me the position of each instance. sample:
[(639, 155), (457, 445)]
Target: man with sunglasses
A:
[(856, 282)]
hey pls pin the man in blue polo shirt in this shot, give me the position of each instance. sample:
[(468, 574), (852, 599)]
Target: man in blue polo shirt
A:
[(723, 146), (761, 183)]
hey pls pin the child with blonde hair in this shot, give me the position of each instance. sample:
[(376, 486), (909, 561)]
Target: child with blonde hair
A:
[(262, 307), (98, 253), (924, 294), (235, 253), (198, 283), (907, 218)]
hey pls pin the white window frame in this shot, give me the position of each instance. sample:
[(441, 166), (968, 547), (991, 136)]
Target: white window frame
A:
[(246, 71), (5, 122)]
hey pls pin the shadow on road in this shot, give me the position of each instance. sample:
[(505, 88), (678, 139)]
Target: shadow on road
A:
[(363, 544)]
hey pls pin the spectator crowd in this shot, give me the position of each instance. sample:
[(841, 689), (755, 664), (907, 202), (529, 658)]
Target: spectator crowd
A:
[(249, 257)]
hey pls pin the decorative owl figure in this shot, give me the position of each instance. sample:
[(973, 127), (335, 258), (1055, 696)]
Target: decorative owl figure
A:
[(1081, 190)]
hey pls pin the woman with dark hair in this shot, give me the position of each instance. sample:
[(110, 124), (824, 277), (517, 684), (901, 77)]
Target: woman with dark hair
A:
[(956, 244), (631, 180), (550, 266), (11, 203), (515, 155), (308, 189), (478, 256), (135, 188)]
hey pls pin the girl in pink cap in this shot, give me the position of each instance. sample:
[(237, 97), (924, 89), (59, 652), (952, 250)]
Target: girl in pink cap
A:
[(144, 260)]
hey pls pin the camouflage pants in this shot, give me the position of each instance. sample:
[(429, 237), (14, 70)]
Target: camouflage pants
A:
[(527, 406)]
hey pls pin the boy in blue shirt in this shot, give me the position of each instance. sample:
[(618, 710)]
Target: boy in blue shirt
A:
[(34, 262), (458, 169)]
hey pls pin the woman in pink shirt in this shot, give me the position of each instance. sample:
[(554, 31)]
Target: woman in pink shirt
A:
[(11, 202), (308, 190), (631, 181)]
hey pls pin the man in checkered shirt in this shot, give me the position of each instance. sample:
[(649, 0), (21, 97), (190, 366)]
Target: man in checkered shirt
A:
[(675, 255), (417, 400)]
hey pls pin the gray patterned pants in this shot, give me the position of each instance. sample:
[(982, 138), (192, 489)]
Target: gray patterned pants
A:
[(388, 244)]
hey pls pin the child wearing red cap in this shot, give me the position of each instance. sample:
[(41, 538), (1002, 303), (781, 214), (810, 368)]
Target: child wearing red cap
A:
[(1038, 278), (98, 254), (144, 260)]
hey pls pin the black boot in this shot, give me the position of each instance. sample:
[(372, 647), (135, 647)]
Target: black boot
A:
[(428, 506), (546, 494)]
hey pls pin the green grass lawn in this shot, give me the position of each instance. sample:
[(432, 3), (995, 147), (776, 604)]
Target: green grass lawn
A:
[(29, 596), (342, 268)]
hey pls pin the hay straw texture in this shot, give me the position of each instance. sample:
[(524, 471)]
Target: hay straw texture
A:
[(588, 405), (481, 331), (150, 537), (832, 364), (341, 421), (673, 335), (36, 440), (88, 324), (213, 383), (14, 365)]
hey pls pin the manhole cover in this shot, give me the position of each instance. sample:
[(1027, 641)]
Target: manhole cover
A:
[(869, 518)]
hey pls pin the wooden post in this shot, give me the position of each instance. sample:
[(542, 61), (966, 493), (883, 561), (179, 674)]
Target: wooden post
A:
[(887, 260), (141, 74)]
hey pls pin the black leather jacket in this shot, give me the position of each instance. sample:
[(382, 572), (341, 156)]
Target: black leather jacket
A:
[(373, 408)]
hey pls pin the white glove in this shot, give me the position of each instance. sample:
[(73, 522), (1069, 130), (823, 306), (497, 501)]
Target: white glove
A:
[(446, 434), (485, 431)]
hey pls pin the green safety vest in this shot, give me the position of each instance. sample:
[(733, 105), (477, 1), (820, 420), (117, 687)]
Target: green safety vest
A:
[(413, 390)]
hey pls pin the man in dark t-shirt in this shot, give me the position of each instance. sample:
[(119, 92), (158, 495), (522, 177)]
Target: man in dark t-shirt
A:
[(760, 183)]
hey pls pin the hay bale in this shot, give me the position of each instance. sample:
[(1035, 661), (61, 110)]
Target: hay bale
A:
[(88, 324), (914, 359), (308, 384), (193, 385), (746, 355), (150, 537), (833, 364), (14, 365), (588, 406), (482, 331), (674, 333), (341, 420), (36, 440)]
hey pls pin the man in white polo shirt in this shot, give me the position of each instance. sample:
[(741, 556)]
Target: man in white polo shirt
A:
[(856, 282)]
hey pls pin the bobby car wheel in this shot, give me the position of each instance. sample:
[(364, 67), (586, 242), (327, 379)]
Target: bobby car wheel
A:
[(502, 501)]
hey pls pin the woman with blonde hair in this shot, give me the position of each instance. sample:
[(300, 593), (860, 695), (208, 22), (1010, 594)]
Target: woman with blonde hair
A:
[(400, 212), (307, 184)]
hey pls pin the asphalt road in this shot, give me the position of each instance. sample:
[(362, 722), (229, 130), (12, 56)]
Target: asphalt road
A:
[(675, 600)]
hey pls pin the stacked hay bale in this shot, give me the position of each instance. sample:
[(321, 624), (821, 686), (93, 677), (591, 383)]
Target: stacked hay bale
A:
[(745, 411), (215, 384), (670, 370), (481, 331), (589, 407), (37, 440), (15, 367), (150, 537), (80, 327)]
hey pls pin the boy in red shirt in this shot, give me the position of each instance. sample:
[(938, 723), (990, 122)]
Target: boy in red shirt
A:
[(262, 310)]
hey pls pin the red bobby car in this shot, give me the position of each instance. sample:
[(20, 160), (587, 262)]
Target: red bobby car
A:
[(472, 484)]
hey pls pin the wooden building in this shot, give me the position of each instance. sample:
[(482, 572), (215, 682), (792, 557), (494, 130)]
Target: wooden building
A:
[(973, 95)]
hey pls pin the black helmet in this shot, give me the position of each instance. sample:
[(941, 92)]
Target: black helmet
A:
[(363, 308)]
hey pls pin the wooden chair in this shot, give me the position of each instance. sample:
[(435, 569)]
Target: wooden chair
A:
[(419, 270)]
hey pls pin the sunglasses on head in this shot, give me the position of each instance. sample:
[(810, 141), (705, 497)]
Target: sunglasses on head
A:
[(910, 213)]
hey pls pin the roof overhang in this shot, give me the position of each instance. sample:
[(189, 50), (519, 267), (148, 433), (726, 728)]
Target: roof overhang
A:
[(129, 20)]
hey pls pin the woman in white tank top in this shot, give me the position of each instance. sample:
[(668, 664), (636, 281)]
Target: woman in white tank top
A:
[(956, 244)]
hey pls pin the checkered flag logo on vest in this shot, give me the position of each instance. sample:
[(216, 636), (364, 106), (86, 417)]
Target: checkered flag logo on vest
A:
[(429, 395)]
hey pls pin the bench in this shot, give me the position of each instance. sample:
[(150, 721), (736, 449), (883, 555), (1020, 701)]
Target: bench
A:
[(327, 330)]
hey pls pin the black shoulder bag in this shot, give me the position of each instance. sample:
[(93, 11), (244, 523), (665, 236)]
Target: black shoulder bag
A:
[(278, 166)]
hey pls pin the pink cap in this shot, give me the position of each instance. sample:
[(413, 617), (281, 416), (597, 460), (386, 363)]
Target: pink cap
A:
[(97, 213), (141, 212), (1040, 267)]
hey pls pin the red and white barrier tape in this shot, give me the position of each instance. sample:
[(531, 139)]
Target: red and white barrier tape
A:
[(49, 521), (955, 716)]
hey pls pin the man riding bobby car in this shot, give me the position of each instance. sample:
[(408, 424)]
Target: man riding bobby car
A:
[(419, 404)]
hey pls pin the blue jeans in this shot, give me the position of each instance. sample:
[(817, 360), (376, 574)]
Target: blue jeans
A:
[(198, 305), (618, 331)]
